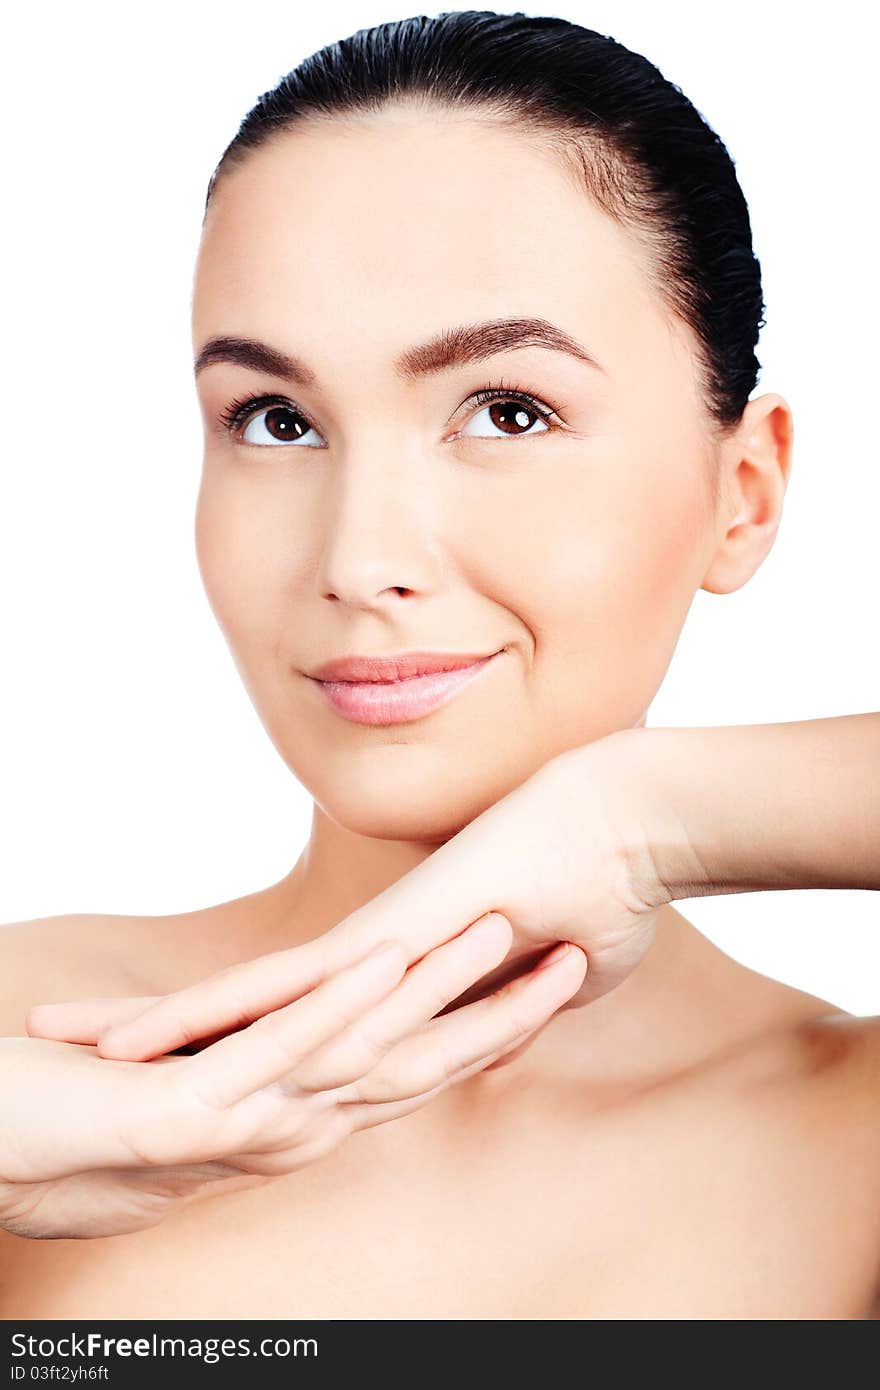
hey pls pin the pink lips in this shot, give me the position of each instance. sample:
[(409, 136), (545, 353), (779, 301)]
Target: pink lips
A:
[(392, 690)]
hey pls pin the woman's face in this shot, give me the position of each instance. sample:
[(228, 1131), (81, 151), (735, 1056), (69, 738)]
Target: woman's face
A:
[(368, 509)]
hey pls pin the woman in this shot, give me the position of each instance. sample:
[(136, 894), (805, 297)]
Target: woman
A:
[(474, 321)]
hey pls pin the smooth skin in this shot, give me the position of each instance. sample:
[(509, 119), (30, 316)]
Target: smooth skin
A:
[(663, 1150), (123, 1144)]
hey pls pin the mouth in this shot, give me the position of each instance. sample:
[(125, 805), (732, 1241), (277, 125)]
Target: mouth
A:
[(391, 696)]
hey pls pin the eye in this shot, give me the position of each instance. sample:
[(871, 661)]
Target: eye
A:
[(511, 413), (268, 421)]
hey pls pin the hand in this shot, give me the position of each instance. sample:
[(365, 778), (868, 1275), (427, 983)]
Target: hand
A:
[(564, 856), (93, 1147)]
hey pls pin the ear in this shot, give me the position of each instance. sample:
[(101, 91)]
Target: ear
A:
[(755, 465)]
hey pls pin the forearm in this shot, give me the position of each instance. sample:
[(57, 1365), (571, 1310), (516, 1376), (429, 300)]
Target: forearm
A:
[(743, 808)]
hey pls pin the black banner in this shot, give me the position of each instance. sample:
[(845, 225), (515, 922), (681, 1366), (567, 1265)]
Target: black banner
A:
[(272, 1352)]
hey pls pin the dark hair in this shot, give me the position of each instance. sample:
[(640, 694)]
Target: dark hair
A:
[(641, 149)]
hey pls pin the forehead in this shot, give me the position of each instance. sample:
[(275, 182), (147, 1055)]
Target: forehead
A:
[(401, 205), (406, 220)]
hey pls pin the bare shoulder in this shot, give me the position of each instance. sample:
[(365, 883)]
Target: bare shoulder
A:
[(803, 1068), (49, 959), (826, 1050), (852, 1042), (843, 1048), (817, 1080), (793, 1114), (788, 1040), (843, 1056)]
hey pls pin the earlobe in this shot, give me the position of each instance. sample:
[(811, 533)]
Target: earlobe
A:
[(756, 466)]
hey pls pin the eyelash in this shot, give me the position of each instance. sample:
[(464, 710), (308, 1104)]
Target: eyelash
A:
[(238, 412)]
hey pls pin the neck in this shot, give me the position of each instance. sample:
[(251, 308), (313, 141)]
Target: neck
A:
[(646, 1017)]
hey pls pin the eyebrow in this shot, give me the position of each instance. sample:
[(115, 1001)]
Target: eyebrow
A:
[(453, 347)]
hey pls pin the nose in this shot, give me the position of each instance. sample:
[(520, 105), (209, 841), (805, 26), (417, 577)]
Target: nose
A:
[(381, 536)]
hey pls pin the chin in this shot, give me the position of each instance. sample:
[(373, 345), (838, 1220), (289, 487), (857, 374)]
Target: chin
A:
[(377, 817), (428, 806), (399, 791)]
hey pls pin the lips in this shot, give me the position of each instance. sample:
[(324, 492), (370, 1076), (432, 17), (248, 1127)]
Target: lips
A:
[(395, 668), (392, 690)]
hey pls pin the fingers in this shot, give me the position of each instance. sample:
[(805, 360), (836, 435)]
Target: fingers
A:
[(228, 1000), (272, 1046), (83, 1020), (221, 1103), (348, 1112), (366, 1114), (427, 907), (433, 901), (429, 985), (447, 1047), (233, 998)]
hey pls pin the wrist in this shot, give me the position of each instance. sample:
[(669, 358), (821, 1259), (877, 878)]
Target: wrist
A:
[(746, 808), (635, 775), (666, 856)]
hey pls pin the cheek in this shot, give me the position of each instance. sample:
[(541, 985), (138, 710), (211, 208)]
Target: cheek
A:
[(242, 560), (600, 562)]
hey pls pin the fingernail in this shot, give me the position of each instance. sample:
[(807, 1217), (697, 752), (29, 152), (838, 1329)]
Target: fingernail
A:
[(489, 919), (555, 955)]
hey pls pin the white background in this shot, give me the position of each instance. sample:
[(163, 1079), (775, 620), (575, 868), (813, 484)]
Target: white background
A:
[(136, 776)]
